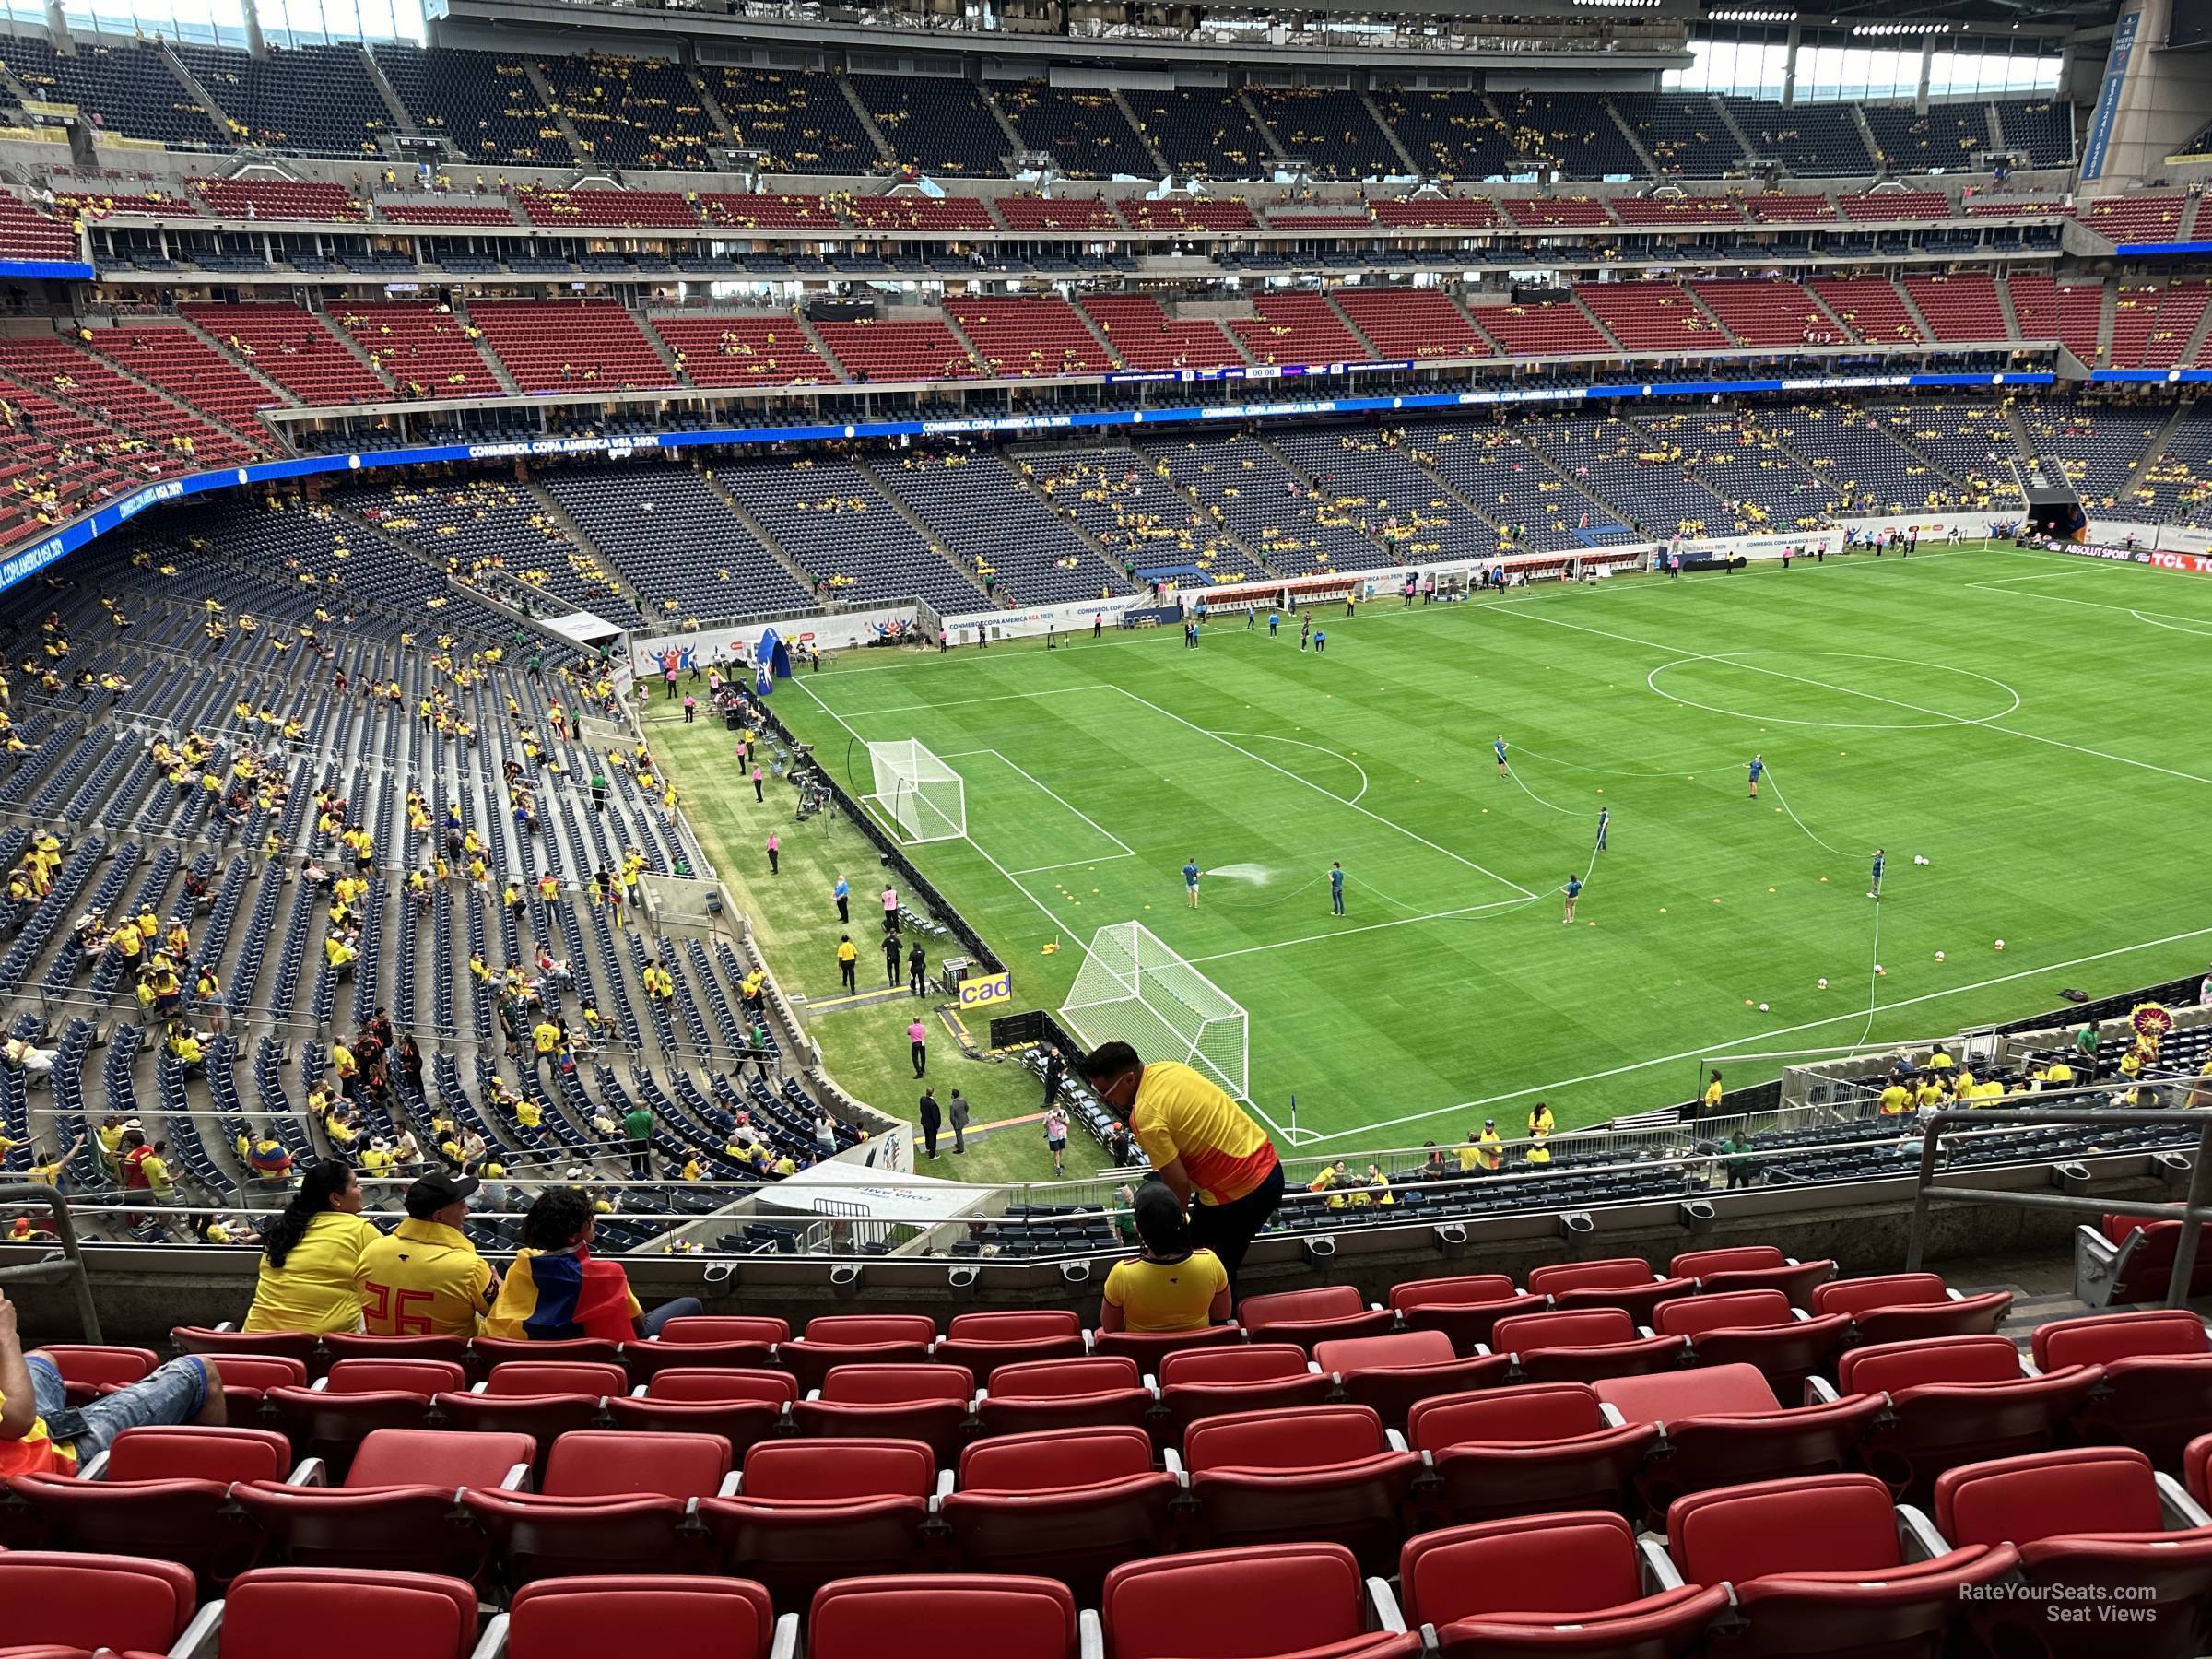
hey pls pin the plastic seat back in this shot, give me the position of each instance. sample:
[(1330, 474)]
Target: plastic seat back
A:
[(1825, 1524), (87, 1367), (810, 1512), (1066, 1504), (1310, 1472), (1537, 1448), (1101, 1391), (2153, 1333), (942, 1616), (592, 1617), (353, 1614), (524, 1379), (49, 1599), (393, 1457), (1889, 1367), (1881, 1290), (1624, 1272), (2023, 1499), (896, 1384), (718, 1328), (1255, 1362), (188, 1453), (1687, 1315), (1465, 1308), (1039, 1463), (605, 1464), (1284, 1441), (1268, 1599), (717, 1385), (421, 1378), (858, 1338), (1587, 1327)]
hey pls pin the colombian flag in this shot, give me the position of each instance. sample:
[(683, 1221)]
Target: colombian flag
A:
[(550, 1296)]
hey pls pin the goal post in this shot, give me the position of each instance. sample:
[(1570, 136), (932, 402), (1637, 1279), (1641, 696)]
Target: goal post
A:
[(1131, 987), (925, 798)]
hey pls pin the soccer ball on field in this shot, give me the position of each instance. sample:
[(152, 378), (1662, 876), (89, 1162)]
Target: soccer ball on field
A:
[(1939, 956), (1880, 972), (1823, 984), (1918, 859), (1762, 1008), (2000, 945)]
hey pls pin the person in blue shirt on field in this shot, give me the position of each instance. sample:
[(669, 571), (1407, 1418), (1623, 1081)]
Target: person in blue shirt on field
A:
[(1573, 890), (1321, 641), (842, 893), (1605, 822), (1759, 770), (1252, 619), (1190, 883), (1273, 622), (1876, 890), (1336, 889), (1498, 748)]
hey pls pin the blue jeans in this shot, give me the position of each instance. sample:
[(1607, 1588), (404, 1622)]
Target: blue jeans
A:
[(175, 1393), (683, 1307)]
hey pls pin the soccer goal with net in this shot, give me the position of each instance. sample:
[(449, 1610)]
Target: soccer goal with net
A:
[(921, 795), (1133, 988)]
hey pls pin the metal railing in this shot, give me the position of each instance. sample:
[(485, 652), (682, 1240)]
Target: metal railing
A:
[(2192, 1212), (67, 1261)]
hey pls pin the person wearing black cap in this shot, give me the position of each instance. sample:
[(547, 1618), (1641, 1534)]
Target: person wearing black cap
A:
[(1173, 1286), (425, 1278)]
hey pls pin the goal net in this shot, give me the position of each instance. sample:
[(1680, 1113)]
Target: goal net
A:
[(1133, 988), (918, 792)]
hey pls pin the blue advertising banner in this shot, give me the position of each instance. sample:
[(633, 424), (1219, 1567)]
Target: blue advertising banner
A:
[(2108, 97)]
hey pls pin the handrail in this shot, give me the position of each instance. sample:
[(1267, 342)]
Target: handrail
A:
[(67, 1263), (2192, 1212)]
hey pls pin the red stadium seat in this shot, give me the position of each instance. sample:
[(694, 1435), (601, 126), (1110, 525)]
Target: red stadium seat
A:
[(1205, 1383), (741, 1406), (857, 1340), (1306, 1317), (1754, 1327), (593, 1618), (610, 1502), (1392, 1372), (86, 1602), (1541, 1447), (353, 1345), (1582, 1346), (1066, 1504), (1100, 1392), (1624, 1282), (398, 1509), (1463, 1309), (542, 1398), (2142, 1255), (1723, 1426), (292, 1345), (2093, 1529), (163, 1492), (705, 1340), (1309, 1472), (247, 1378), (272, 1613), (983, 1342), (1902, 1307), (1150, 1347), (491, 1352), (808, 1512), (1753, 1267), (1542, 1584), (1827, 1567), (1957, 1400), (1250, 1604), (356, 1398), (925, 1402), (88, 1367), (2196, 1468), (942, 1616), (2157, 1394)]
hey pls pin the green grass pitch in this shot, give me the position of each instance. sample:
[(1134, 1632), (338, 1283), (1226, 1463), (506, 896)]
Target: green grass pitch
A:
[(2031, 724)]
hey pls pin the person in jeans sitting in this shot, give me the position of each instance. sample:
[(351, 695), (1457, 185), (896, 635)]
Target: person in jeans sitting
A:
[(41, 1434)]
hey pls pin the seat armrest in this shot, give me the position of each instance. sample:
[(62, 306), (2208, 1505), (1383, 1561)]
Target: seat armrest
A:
[(976, 1405), (492, 1645), (96, 1469), (516, 1479), (1659, 1570), (1819, 1391), (201, 1635), (1383, 1608), (785, 1642), (1917, 1539), (310, 1472), (1799, 1314), (1171, 1461), (1645, 1332), (944, 1479), (1091, 1637), (477, 1388), (1951, 1295), (1393, 1439), (728, 1489), (1611, 1413), (638, 1393), (2176, 1508), (321, 1384)]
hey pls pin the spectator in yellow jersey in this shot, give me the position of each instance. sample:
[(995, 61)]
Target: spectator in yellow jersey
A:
[(1175, 1285), (426, 1279), (1203, 1145)]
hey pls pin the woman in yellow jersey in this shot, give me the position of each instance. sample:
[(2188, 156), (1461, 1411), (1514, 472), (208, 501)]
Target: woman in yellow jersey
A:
[(309, 1256), (1174, 1286)]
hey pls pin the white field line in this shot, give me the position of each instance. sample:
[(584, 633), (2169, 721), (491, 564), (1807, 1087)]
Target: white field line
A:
[(1317, 748), (1366, 812), (1127, 851), (1989, 725), (1341, 932), (2165, 620), (1810, 1025)]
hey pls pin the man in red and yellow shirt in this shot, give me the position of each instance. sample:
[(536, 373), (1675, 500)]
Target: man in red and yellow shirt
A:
[(1200, 1142), (41, 1435)]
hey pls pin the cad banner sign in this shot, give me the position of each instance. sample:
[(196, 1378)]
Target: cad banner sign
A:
[(988, 991)]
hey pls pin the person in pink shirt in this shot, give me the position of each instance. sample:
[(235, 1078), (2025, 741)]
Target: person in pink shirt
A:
[(890, 908), (756, 794), (917, 1043), (774, 847)]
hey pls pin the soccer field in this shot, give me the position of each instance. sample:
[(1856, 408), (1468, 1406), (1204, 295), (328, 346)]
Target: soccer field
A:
[(2030, 723)]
